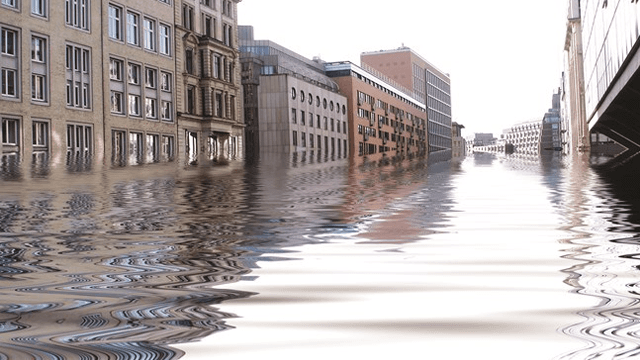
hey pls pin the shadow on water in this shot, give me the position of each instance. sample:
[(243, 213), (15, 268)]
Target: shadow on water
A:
[(99, 262)]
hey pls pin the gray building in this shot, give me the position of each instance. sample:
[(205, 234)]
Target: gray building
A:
[(551, 132), (290, 104)]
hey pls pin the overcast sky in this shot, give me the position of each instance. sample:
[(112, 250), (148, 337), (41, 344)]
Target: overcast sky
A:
[(504, 57)]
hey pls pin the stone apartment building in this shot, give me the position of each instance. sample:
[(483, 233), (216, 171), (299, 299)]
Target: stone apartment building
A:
[(124, 82)]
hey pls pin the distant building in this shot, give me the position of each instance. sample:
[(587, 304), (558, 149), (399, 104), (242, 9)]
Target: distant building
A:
[(382, 119), (430, 85), (483, 139), (550, 137), (458, 144), (525, 138), (291, 105)]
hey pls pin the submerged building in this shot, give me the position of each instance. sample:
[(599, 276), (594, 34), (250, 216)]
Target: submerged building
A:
[(429, 85), (291, 105)]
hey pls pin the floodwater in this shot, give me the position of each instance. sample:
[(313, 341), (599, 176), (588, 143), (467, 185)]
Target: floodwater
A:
[(490, 257)]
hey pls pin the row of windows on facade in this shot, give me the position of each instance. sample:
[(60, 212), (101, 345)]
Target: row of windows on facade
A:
[(213, 102), (315, 141), (149, 33), (382, 121), (369, 132), (137, 147), (380, 87), (335, 124), (364, 98), (77, 61), (436, 105), (212, 65), (309, 98), (76, 12), (370, 149), (225, 5), (134, 90), (438, 83), (209, 24), (10, 65)]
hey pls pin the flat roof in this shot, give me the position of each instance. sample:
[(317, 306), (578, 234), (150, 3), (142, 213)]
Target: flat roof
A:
[(407, 49)]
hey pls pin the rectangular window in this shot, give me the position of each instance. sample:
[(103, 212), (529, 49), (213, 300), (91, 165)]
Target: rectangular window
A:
[(78, 77), (151, 108), (303, 139), (294, 114), (38, 49), (295, 138), (133, 74), (39, 7), (119, 146), (9, 83), (10, 3), (134, 105), (216, 66), (133, 28), (149, 28), (79, 138), (167, 147), (165, 81), (135, 148), (165, 39), (38, 87), (10, 132), (150, 78), (207, 25), (189, 61), (76, 13), (302, 117), (166, 111), (40, 135), (191, 99), (152, 148), (9, 42), (115, 22), (187, 17), (115, 69), (117, 107)]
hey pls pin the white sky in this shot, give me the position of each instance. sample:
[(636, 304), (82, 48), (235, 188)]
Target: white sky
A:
[(504, 56)]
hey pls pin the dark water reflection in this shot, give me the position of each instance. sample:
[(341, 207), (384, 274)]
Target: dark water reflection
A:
[(129, 262)]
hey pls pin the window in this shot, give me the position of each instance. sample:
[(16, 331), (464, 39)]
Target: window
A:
[(77, 60), (165, 110), (216, 66), (135, 148), (134, 105), (149, 27), (10, 3), (311, 140), (39, 7), (133, 74), (115, 69), (151, 108), (219, 105), (294, 114), (293, 93), (9, 42), (115, 22), (165, 81), (191, 99), (167, 147), (295, 138), (303, 140), (10, 131), (38, 49), (228, 34), (79, 138), (152, 148), (207, 25), (38, 87), (189, 61), (150, 78), (187, 17), (117, 107), (119, 147), (133, 28), (9, 83), (165, 39), (39, 135), (76, 13), (311, 119), (302, 117)]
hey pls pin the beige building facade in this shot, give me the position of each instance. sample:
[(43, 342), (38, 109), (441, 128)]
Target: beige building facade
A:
[(208, 87)]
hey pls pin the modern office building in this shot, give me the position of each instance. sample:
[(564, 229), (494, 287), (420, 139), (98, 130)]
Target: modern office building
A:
[(525, 138), (610, 39), (382, 119), (291, 105), (551, 132), (208, 88), (429, 85)]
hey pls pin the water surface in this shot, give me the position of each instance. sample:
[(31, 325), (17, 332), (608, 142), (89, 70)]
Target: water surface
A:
[(488, 257)]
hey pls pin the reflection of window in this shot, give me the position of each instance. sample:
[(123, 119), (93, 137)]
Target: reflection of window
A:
[(119, 146), (79, 138), (152, 148), (135, 148), (167, 147)]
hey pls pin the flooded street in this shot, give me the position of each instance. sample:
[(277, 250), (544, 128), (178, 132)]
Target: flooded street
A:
[(489, 257)]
